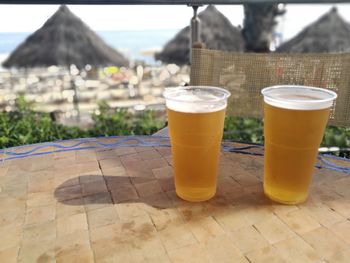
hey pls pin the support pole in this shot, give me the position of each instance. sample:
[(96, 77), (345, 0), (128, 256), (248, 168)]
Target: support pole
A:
[(195, 29)]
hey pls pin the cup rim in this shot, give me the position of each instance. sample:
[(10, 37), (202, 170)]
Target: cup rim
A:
[(170, 91), (297, 103)]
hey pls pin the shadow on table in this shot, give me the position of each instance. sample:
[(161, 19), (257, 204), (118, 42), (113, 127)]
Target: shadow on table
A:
[(97, 189), (158, 193)]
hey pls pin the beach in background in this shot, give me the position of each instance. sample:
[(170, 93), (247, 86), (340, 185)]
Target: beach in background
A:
[(51, 89), (131, 30), (135, 44), (137, 35)]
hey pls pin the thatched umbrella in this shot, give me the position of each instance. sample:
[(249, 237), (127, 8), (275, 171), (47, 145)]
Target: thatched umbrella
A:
[(64, 40), (330, 33), (217, 32)]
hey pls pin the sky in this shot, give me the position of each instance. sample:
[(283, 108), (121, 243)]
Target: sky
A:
[(28, 18)]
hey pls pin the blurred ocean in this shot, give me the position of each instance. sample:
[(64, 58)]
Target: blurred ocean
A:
[(136, 45)]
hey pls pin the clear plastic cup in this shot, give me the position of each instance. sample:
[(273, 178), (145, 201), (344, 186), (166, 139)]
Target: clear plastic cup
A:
[(295, 118), (196, 117)]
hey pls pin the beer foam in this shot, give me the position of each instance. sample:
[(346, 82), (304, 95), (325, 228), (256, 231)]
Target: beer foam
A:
[(196, 99), (299, 97)]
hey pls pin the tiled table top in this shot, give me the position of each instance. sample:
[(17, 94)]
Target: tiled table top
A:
[(119, 205)]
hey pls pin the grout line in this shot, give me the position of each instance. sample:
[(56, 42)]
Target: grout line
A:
[(90, 242)]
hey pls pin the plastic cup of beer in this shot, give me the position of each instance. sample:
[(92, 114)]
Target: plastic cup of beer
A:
[(196, 117), (295, 118)]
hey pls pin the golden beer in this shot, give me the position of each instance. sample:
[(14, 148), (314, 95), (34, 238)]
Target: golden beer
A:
[(196, 122), (293, 132)]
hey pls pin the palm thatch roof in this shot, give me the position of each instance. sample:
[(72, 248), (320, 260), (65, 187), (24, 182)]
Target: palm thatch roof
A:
[(330, 33), (64, 40), (217, 32)]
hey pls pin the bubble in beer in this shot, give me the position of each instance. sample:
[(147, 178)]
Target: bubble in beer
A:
[(195, 100)]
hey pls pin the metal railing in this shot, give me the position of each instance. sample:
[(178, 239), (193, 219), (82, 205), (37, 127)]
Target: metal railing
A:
[(168, 2), (194, 23)]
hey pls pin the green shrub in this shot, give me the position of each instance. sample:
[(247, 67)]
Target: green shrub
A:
[(243, 129), (147, 123), (338, 137), (110, 122), (251, 130), (25, 126)]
